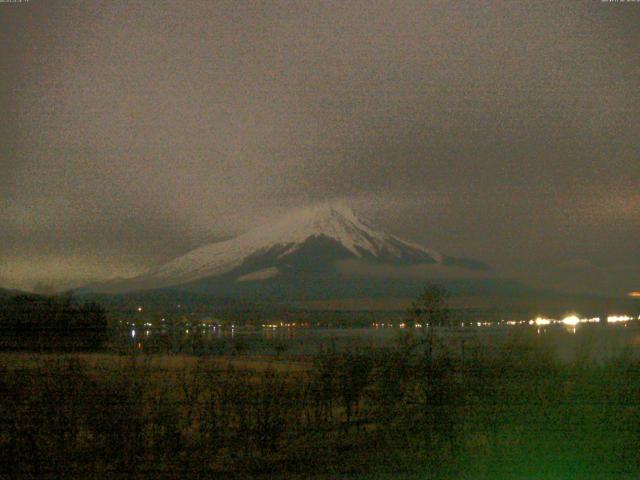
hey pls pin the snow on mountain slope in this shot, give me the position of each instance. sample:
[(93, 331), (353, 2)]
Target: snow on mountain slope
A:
[(336, 222), (294, 234)]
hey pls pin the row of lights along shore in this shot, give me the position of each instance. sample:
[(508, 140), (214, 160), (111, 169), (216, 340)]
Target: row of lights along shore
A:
[(571, 320)]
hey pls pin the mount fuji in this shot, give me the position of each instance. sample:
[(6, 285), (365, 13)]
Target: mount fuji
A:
[(294, 257)]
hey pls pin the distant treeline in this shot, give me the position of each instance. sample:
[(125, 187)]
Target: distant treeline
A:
[(37, 322)]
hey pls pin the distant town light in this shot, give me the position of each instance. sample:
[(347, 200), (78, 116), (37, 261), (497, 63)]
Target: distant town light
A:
[(571, 320), (635, 294), (542, 321), (139, 309)]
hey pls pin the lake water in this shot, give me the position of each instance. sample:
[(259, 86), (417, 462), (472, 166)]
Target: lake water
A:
[(599, 341)]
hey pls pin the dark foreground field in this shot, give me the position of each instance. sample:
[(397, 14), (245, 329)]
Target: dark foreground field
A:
[(410, 410)]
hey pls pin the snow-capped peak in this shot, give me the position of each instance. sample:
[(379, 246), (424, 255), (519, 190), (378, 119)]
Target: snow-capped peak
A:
[(335, 221), (287, 235)]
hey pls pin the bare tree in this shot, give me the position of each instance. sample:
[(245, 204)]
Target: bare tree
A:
[(430, 308)]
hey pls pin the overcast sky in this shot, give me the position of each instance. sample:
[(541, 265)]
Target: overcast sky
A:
[(504, 131)]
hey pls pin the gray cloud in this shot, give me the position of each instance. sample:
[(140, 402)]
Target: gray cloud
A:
[(501, 130)]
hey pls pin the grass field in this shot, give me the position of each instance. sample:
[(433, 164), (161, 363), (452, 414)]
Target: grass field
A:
[(409, 410)]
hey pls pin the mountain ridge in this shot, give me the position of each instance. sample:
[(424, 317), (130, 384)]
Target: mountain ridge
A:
[(307, 240)]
